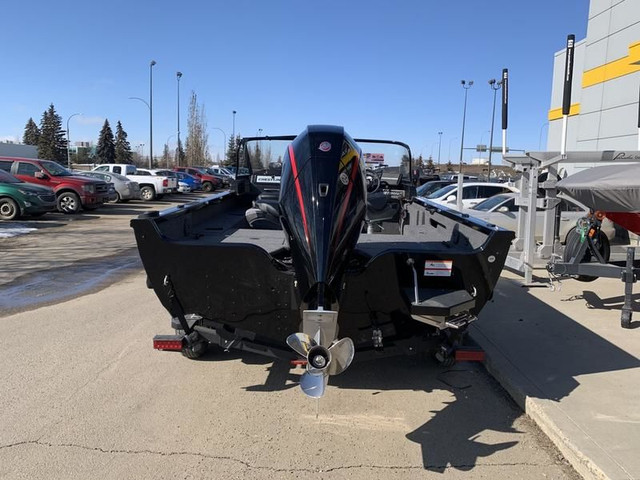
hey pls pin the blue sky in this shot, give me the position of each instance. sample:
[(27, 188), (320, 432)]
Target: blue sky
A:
[(382, 69)]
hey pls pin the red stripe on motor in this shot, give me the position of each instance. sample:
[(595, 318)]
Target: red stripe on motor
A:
[(294, 167)]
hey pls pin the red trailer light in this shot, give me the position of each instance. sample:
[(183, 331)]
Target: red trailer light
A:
[(165, 182), (469, 355), (167, 342)]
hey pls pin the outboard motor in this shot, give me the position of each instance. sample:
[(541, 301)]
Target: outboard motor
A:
[(322, 206)]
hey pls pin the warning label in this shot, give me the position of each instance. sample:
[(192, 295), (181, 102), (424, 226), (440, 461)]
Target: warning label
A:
[(438, 268)]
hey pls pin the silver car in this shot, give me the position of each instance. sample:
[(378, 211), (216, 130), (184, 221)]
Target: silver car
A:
[(501, 210), (125, 189)]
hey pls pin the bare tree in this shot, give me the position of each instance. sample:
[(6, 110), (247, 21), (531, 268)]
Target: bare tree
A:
[(197, 151)]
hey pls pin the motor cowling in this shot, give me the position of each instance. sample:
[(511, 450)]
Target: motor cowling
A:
[(322, 205)]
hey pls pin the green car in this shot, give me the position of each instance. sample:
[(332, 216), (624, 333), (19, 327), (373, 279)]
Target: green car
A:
[(18, 198)]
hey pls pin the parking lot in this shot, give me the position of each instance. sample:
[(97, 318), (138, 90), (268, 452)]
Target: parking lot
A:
[(85, 395)]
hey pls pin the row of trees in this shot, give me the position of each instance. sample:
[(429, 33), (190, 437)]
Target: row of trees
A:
[(52, 144), (50, 138)]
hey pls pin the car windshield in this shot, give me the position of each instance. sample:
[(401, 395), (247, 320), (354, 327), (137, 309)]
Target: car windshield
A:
[(490, 203), (8, 178), (428, 188), (443, 191), (55, 169)]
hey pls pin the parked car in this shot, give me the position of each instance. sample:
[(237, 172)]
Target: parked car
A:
[(501, 210), (226, 175), (190, 180), (209, 182), (73, 192), (472, 193), (183, 187), (151, 186), (18, 198), (126, 189), (170, 174), (428, 188)]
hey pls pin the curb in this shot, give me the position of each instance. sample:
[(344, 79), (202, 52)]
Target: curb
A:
[(515, 382)]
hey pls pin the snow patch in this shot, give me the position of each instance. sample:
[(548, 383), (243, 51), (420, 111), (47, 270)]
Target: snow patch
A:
[(8, 229)]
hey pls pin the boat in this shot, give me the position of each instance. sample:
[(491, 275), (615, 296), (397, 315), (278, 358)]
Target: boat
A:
[(613, 190), (307, 258)]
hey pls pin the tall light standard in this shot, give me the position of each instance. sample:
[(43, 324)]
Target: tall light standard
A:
[(178, 154), (149, 107), (69, 139), (153, 62), (233, 134), (439, 145), (495, 86), (466, 85)]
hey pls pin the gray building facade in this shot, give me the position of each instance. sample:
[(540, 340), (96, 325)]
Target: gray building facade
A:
[(606, 82)]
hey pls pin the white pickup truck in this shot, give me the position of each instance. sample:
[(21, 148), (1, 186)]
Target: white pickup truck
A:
[(152, 186)]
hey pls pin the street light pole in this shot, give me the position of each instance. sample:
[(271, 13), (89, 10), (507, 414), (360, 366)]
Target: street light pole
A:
[(233, 134), (69, 139), (466, 85), (178, 76), (153, 62), (495, 86), (439, 145)]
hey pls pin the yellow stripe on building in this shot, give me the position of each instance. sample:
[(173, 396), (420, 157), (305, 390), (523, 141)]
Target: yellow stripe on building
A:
[(615, 69), (556, 113)]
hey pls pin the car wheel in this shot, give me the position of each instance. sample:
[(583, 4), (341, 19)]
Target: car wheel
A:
[(147, 193), (572, 246), (207, 187), (69, 202), (8, 209)]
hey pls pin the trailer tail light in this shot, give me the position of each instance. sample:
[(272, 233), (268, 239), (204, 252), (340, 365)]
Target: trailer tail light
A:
[(165, 182), (167, 342), (469, 355)]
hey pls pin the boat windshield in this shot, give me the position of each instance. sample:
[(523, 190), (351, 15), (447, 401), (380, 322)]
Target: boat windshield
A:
[(264, 156)]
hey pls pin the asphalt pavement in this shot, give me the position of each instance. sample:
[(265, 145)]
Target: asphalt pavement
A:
[(84, 395)]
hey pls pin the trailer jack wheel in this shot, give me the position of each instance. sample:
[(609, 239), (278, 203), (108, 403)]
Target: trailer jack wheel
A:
[(445, 356), (194, 346)]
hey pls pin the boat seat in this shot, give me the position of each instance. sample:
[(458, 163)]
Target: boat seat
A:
[(265, 213)]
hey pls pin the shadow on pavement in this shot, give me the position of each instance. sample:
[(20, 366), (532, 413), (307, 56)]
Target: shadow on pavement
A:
[(550, 348)]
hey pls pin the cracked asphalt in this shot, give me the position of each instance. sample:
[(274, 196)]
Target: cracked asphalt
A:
[(83, 395)]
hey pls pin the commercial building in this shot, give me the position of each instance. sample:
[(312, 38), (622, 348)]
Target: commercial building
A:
[(606, 82)]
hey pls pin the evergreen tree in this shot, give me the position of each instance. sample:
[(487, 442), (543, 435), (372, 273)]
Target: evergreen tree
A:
[(31, 133), (106, 151), (52, 144), (123, 153), (232, 148)]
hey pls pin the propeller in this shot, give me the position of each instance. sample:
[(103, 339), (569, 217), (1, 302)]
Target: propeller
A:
[(321, 361)]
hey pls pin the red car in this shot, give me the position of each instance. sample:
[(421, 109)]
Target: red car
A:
[(209, 182), (73, 192)]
